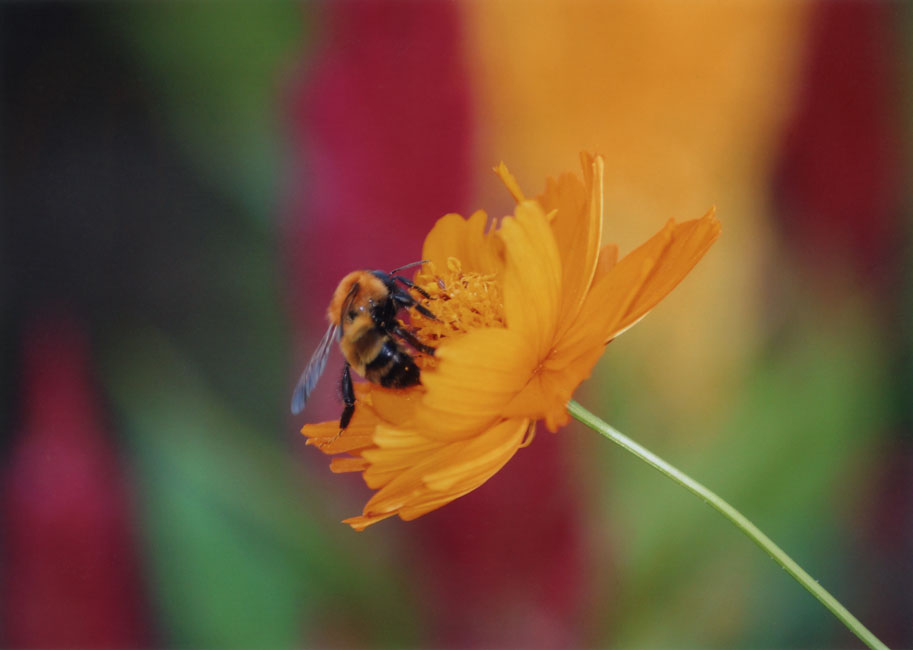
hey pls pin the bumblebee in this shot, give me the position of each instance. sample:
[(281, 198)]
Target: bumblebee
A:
[(363, 319)]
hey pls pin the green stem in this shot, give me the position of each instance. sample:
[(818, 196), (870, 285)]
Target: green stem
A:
[(735, 517)]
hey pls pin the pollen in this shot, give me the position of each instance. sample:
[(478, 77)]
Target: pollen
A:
[(461, 301)]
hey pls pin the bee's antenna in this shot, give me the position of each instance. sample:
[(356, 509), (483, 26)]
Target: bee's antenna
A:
[(407, 266)]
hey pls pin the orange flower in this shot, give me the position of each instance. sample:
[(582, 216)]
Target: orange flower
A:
[(525, 309)]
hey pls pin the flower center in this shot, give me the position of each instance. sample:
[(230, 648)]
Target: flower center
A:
[(461, 301)]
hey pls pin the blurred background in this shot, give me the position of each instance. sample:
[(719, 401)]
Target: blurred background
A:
[(183, 185)]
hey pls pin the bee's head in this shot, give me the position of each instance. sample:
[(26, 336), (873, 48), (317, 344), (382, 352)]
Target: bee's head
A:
[(358, 292)]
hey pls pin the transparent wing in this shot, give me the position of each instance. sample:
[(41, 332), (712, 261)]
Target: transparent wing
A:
[(313, 371)]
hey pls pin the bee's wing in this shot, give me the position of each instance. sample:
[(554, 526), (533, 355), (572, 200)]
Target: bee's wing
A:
[(313, 371)]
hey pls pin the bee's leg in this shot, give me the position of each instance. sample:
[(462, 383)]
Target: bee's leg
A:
[(424, 311), (410, 338), (348, 398), (405, 300), (409, 283)]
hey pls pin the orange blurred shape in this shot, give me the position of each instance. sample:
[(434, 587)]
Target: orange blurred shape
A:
[(686, 102)]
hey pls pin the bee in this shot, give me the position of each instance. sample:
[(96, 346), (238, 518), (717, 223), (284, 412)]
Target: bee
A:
[(363, 319)]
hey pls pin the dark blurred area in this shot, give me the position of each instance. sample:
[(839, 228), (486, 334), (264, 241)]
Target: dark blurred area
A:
[(107, 235), (184, 183), (105, 218)]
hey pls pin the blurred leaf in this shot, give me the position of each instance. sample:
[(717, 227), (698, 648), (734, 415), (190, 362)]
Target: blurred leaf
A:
[(238, 557), (219, 69)]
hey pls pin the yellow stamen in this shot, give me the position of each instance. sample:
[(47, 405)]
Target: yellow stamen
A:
[(461, 301)]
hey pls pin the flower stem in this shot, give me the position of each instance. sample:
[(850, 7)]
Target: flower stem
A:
[(733, 515)]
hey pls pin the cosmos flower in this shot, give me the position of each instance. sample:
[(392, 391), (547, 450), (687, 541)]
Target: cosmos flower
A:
[(524, 310)]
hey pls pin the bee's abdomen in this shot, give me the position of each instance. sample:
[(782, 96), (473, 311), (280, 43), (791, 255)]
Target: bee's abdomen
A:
[(392, 367)]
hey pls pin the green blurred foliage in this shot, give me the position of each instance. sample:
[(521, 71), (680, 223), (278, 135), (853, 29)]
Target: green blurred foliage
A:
[(804, 419), (237, 550), (238, 555), (219, 70)]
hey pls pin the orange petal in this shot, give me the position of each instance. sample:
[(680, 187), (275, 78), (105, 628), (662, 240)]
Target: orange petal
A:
[(639, 281), (479, 458), (475, 377), (689, 242), (608, 258), (464, 239), (361, 522), (553, 384), (411, 511), (619, 297), (565, 379), (578, 231), (532, 276), (352, 444), (326, 436), (396, 451), (346, 464), (488, 371), (395, 407), (452, 471)]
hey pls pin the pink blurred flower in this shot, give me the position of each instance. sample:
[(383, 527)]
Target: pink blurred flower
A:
[(70, 566), (384, 144), (842, 188)]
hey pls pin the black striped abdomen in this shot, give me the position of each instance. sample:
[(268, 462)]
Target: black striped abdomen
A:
[(392, 367)]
